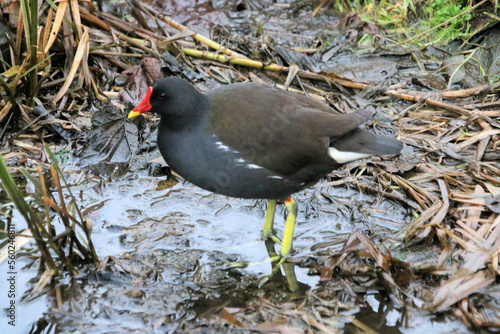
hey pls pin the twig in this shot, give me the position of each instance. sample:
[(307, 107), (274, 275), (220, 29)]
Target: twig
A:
[(6, 125), (136, 44), (198, 37), (318, 8), (482, 135), (393, 195), (438, 104), (86, 15)]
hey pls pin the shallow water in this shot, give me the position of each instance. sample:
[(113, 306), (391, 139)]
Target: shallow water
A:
[(173, 245)]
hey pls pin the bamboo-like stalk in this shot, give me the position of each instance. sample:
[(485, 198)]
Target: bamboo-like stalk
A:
[(236, 61)]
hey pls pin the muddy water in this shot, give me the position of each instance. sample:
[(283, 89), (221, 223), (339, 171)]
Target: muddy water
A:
[(171, 246)]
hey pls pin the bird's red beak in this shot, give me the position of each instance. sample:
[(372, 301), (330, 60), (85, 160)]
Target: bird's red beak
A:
[(143, 106)]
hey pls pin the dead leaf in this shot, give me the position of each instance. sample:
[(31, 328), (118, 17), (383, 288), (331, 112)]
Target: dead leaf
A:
[(227, 316), (114, 138)]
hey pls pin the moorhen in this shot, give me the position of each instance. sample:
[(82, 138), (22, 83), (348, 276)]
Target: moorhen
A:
[(250, 140)]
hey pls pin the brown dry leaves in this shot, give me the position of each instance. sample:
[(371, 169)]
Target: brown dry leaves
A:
[(457, 185), (461, 157)]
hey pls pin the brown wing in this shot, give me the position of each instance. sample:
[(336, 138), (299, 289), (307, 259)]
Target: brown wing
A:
[(280, 131)]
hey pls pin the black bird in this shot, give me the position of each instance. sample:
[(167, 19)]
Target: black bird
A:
[(250, 140)]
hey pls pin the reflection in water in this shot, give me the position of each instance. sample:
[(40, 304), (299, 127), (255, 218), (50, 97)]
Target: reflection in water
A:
[(288, 279), (379, 319), (279, 282)]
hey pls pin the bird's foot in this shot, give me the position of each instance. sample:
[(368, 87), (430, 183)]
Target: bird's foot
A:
[(279, 262), (235, 265), (271, 236), (245, 264)]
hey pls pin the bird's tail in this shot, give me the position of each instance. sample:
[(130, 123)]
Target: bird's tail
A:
[(361, 143)]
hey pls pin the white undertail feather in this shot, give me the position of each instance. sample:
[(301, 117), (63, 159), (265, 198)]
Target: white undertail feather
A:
[(343, 157)]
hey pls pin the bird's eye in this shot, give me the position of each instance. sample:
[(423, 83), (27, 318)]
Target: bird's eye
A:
[(162, 96)]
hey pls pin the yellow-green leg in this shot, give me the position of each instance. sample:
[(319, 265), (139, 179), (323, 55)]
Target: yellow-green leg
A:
[(286, 247), (267, 231), (286, 244)]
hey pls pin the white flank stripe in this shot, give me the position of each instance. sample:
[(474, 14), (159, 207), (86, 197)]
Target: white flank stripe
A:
[(253, 166), (343, 157), (275, 177), (223, 147)]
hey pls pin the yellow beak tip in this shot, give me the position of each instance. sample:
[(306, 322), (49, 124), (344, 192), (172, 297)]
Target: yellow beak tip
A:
[(133, 114)]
